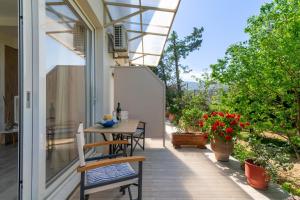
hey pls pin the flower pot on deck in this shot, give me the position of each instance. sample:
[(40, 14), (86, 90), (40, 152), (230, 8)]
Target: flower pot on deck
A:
[(171, 117), (256, 176), (195, 139), (222, 149)]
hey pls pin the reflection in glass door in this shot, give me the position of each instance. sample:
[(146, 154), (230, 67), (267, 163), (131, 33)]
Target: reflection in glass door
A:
[(66, 58), (9, 99)]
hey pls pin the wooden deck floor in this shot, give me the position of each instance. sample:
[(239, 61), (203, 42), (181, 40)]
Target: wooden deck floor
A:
[(188, 173)]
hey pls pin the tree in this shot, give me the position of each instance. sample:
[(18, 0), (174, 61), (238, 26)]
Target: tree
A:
[(178, 49), (164, 71), (263, 73)]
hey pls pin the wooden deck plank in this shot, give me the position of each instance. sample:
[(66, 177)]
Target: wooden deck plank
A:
[(180, 174)]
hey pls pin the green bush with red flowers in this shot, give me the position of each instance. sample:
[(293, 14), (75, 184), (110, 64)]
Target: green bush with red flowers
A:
[(224, 126), (189, 120)]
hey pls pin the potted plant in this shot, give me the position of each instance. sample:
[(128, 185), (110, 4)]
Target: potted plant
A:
[(173, 111), (192, 129), (223, 132), (265, 162)]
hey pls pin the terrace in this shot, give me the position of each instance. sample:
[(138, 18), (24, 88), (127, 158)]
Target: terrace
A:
[(189, 173)]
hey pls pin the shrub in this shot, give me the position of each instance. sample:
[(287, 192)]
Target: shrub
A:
[(269, 156), (290, 188), (241, 153), (190, 119)]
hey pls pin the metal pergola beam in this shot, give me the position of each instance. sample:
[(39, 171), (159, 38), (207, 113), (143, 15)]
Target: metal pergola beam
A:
[(124, 18), (144, 54), (55, 3), (146, 33), (140, 6), (145, 24), (62, 31), (137, 58)]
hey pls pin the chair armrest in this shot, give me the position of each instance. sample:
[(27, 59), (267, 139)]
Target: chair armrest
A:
[(106, 162), (104, 143)]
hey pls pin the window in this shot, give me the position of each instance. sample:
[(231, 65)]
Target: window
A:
[(66, 59)]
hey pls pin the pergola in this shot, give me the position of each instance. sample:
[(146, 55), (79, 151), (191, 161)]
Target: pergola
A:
[(148, 24)]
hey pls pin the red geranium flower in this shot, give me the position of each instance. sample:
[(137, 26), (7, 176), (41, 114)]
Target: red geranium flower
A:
[(247, 123), (221, 114), (201, 123), (234, 122), (205, 116), (242, 125), (229, 130), (214, 127), (214, 113), (228, 138), (222, 124), (228, 116)]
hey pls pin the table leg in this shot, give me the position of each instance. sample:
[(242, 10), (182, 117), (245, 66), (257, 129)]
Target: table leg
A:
[(131, 144)]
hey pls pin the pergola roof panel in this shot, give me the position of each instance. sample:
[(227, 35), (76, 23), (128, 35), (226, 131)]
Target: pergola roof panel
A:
[(157, 18), (154, 44), (148, 23), (168, 4), (117, 12)]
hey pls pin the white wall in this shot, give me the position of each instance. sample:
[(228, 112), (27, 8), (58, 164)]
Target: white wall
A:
[(142, 94), (103, 60)]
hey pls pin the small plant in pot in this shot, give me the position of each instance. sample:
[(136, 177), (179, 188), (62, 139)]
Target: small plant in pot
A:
[(265, 162), (223, 132), (174, 112), (192, 129)]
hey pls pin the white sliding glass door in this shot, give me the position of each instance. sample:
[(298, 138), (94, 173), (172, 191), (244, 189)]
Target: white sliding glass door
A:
[(9, 99)]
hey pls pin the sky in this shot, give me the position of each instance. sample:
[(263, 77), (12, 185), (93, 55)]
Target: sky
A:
[(224, 22)]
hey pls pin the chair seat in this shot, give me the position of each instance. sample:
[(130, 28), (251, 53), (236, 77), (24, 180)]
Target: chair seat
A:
[(109, 174)]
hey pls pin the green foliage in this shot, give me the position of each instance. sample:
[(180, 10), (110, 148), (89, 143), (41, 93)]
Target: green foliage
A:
[(244, 136), (296, 140), (241, 153), (263, 73), (269, 156), (290, 188), (190, 119)]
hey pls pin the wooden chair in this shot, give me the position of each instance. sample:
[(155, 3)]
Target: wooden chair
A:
[(104, 173), (138, 138)]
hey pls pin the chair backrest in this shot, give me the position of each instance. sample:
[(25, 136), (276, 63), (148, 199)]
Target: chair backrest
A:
[(80, 143)]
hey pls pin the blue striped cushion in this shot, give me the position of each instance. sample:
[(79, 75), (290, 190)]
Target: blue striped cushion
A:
[(109, 173)]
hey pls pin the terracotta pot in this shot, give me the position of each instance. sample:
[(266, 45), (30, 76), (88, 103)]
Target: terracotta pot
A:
[(167, 114), (256, 176), (171, 117), (222, 149), (196, 139)]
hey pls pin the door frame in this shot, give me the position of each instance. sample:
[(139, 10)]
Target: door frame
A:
[(25, 98)]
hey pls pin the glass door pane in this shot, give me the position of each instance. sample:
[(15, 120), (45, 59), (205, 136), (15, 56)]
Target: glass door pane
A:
[(66, 58), (9, 99)]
